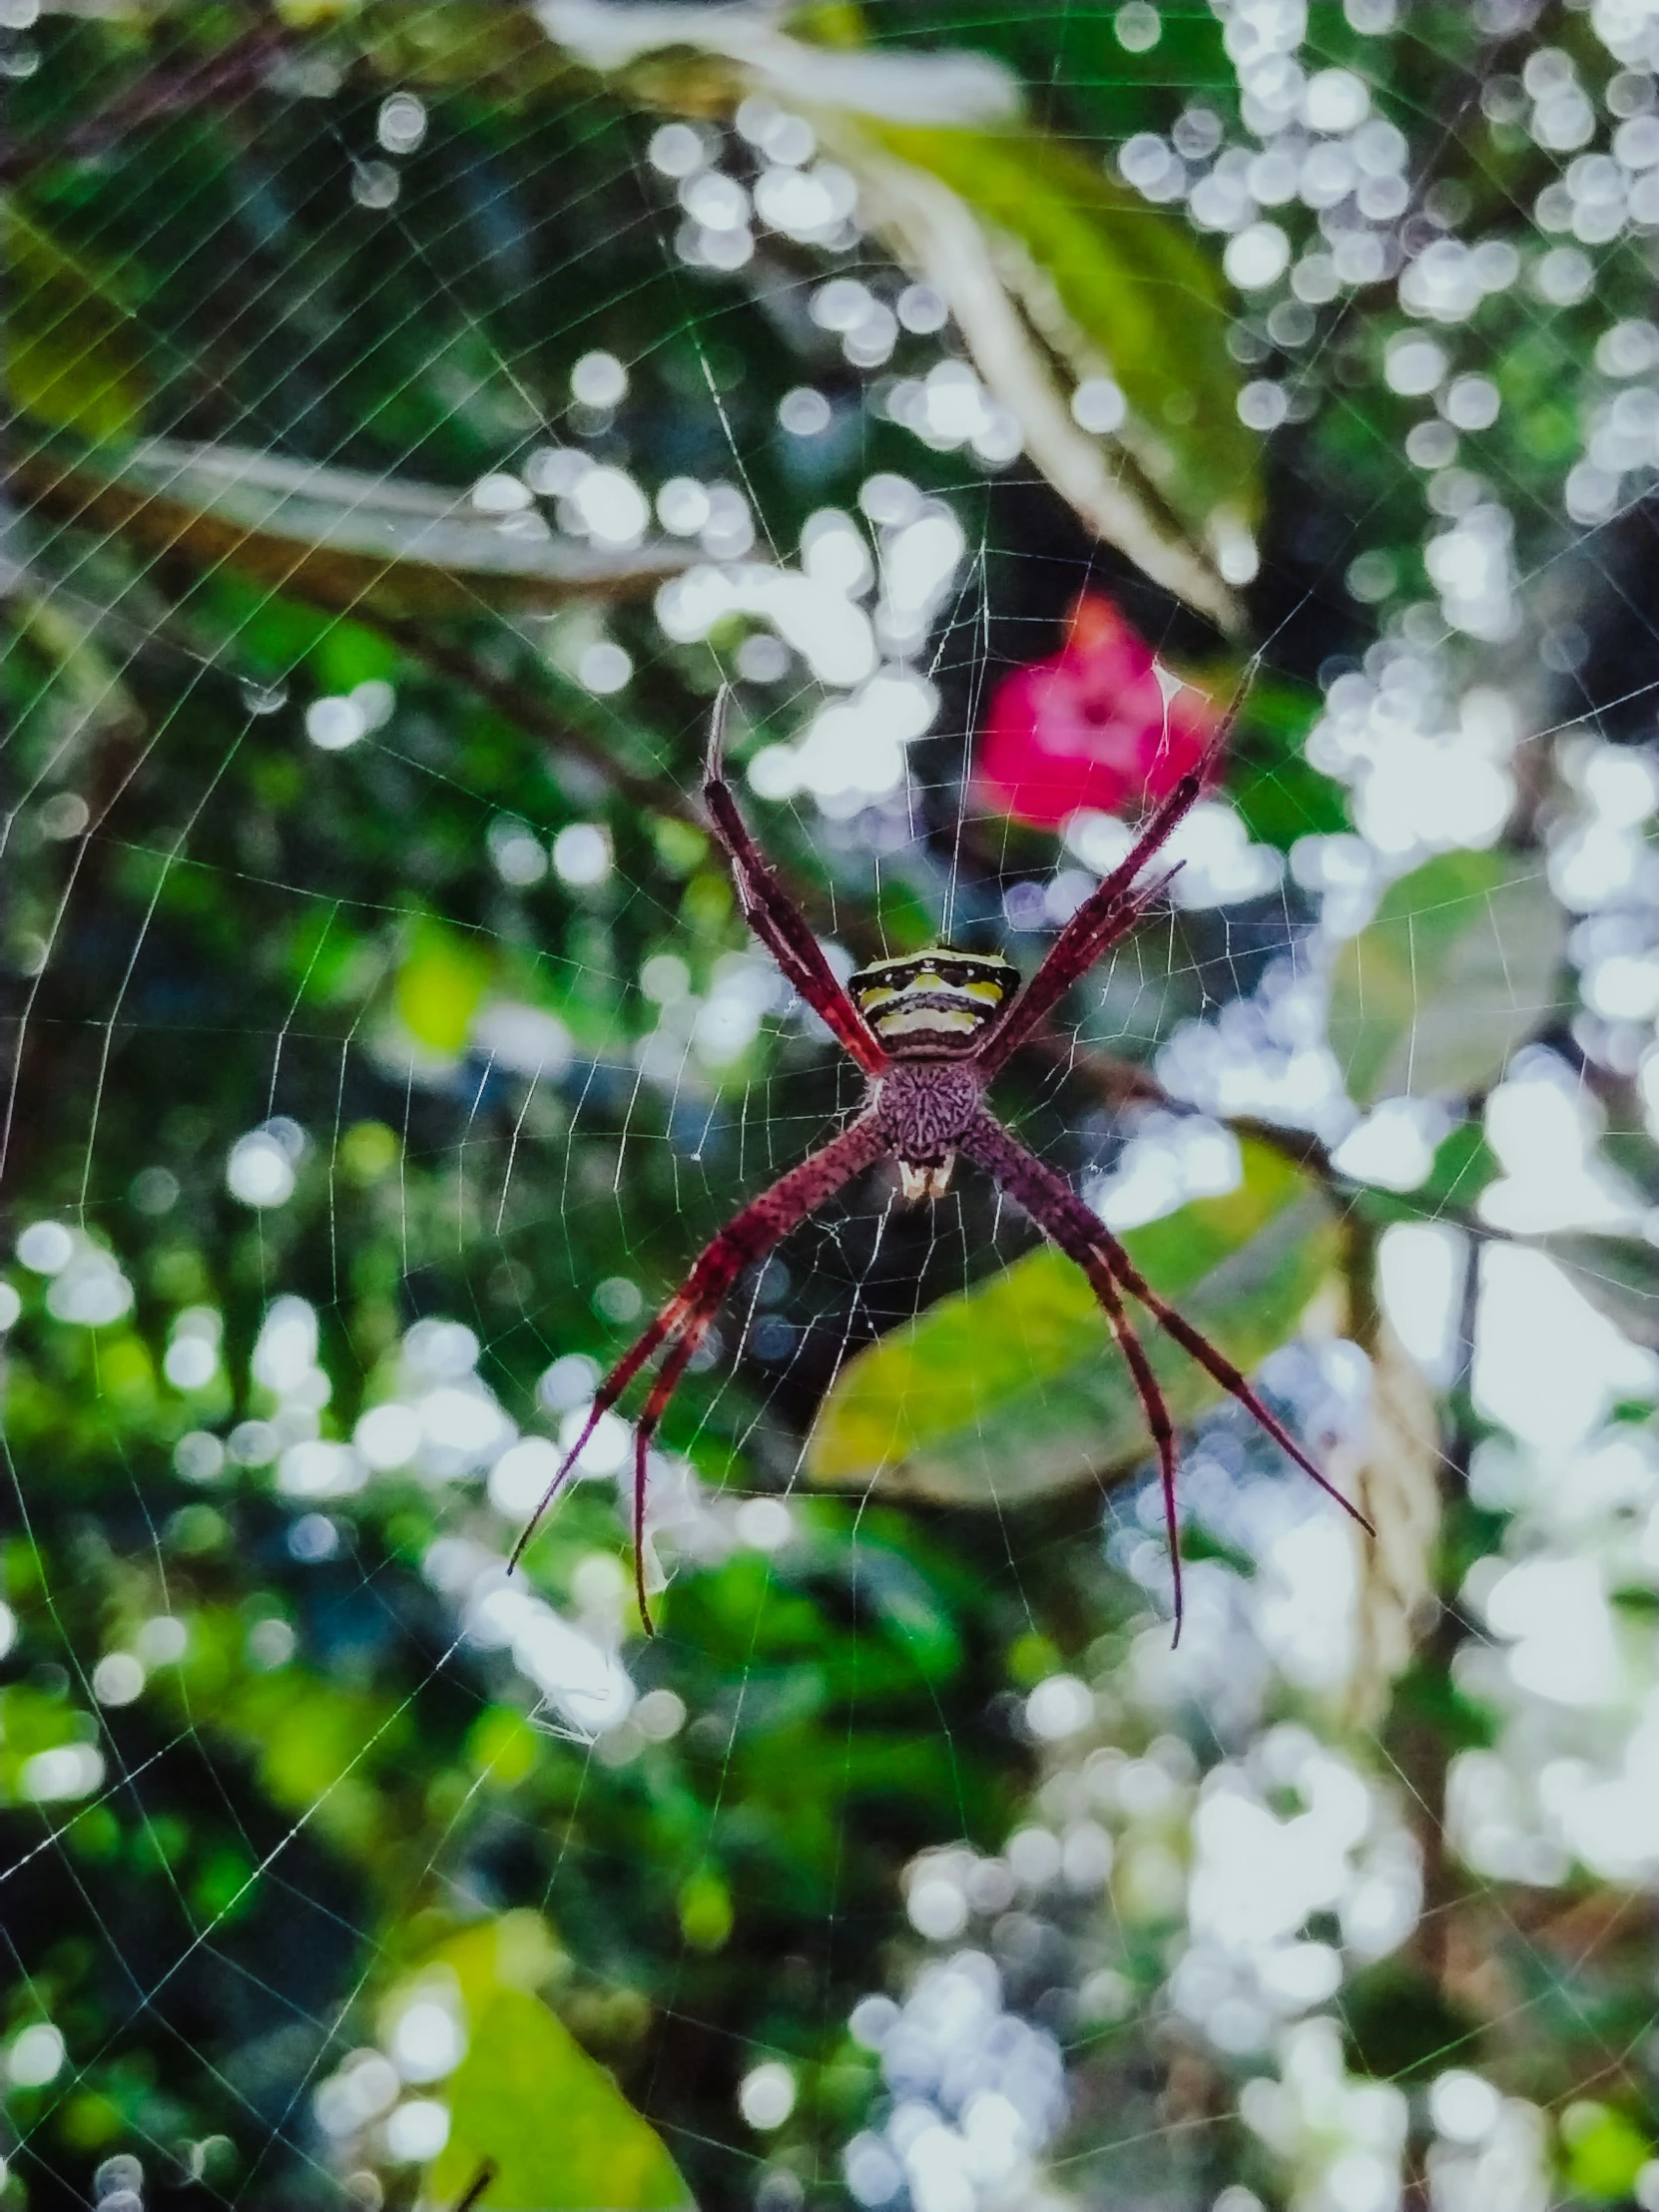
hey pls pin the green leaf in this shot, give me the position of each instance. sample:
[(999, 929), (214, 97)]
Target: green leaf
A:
[(1277, 804), (1278, 795), (1050, 280), (83, 672), (1464, 1163), (714, 53), (1051, 270), (1618, 1275), (1124, 278), (72, 354), (1459, 968), (339, 538), (528, 2099), (32, 1721), (1014, 1389)]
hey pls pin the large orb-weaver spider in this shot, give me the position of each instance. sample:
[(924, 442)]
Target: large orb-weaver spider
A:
[(929, 1031)]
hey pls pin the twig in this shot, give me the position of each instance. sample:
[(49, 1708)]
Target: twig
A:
[(1423, 1748), (534, 713), (234, 71)]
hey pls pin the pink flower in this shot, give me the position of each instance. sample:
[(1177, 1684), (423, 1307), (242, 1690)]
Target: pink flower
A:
[(1089, 728)]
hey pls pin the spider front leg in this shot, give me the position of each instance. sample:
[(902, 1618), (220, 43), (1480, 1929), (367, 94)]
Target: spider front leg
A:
[(1057, 1210), (684, 1321), (1109, 912), (770, 913)]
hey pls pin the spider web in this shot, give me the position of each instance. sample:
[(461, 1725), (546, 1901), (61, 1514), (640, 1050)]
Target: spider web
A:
[(380, 1064)]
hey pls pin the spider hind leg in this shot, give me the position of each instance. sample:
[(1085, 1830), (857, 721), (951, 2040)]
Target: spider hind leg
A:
[(1057, 1210), (749, 1236)]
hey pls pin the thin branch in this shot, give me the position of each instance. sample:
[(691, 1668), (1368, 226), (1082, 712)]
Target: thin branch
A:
[(168, 88), (535, 714), (1423, 1748)]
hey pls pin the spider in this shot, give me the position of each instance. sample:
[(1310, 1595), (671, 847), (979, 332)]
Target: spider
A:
[(929, 1031)]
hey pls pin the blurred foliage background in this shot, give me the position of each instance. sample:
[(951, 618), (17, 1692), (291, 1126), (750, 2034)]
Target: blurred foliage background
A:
[(414, 408)]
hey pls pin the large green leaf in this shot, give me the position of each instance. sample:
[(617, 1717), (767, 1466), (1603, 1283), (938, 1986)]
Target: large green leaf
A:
[(1052, 272), (1013, 1389), (728, 46), (1457, 968), (528, 2099), (73, 356), (337, 537), (1137, 293)]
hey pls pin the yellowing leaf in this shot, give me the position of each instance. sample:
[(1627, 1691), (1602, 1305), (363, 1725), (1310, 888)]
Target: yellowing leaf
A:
[(1014, 1389), (529, 2101), (72, 352)]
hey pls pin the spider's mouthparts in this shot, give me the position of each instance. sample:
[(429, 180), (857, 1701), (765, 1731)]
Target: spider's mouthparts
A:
[(928, 1182)]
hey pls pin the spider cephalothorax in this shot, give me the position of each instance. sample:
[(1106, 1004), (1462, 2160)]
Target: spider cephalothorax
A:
[(929, 1031), (925, 1109)]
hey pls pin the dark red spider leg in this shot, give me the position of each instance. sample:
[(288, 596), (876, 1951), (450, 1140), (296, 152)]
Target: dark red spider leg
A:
[(1057, 974), (1006, 1160), (772, 915), (1108, 912), (1053, 1205), (653, 1409), (638, 1352), (1225, 1373), (1156, 1410), (1075, 950), (747, 1237), (656, 1405), (1153, 1405)]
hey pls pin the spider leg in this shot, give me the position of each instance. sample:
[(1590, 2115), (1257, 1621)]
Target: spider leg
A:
[(747, 1237), (1068, 1226), (770, 913), (1109, 912), (1107, 915), (1226, 1374), (1156, 1408), (1153, 1406), (1066, 963), (1057, 1210), (650, 1413)]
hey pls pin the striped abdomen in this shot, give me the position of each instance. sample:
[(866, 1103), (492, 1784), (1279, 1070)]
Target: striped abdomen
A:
[(933, 1003)]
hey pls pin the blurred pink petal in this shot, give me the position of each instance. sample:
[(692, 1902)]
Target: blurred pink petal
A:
[(1089, 728)]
